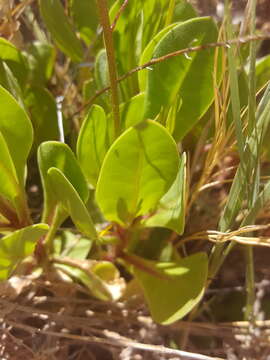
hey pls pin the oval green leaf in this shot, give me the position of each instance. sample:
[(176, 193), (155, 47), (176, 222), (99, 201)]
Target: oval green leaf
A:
[(43, 113), (18, 245), (170, 212), (194, 82), (61, 29), (9, 187), (85, 17), (14, 59), (41, 59), (17, 131), (93, 143), (137, 171), (71, 201), (60, 156), (182, 282)]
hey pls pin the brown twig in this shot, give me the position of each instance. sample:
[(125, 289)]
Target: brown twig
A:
[(241, 40), (114, 341), (138, 263)]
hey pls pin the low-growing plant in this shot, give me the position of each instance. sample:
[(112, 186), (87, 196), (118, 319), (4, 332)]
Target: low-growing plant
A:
[(129, 167)]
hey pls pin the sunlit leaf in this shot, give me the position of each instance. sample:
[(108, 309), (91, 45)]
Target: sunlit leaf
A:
[(71, 202), (17, 131), (93, 143), (137, 171)]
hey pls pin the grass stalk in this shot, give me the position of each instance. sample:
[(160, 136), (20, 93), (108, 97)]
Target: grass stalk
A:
[(254, 186)]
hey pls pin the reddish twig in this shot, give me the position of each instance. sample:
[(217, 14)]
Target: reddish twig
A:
[(241, 40), (117, 16)]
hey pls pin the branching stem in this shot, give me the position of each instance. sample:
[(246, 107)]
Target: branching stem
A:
[(242, 40)]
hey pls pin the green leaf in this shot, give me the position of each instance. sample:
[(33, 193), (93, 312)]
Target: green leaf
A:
[(170, 212), (71, 202), (194, 82), (101, 69), (85, 17), (72, 245), (9, 187), (14, 59), (137, 171), (177, 290), (131, 111), (41, 58), (147, 55), (102, 278), (59, 155), (16, 246), (93, 143), (17, 131), (43, 112), (61, 29), (96, 286), (10, 83), (183, 11), (262, 71), (137, 25)]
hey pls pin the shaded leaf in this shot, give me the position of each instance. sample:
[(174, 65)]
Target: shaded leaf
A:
[(194, 82), (170, 212), (85, 17), (61, 29), (72, 245), (41, 58), (14, 59), (43, 111), (183, 11), (59, 155), (10, 83), (9, 186), (262, 71), (18, 245), (182, 282), (102, 278)]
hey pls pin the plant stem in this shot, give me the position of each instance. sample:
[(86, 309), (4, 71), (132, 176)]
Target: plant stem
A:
[(250, 284), (108, 40), (253, 188), (52, 231)]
